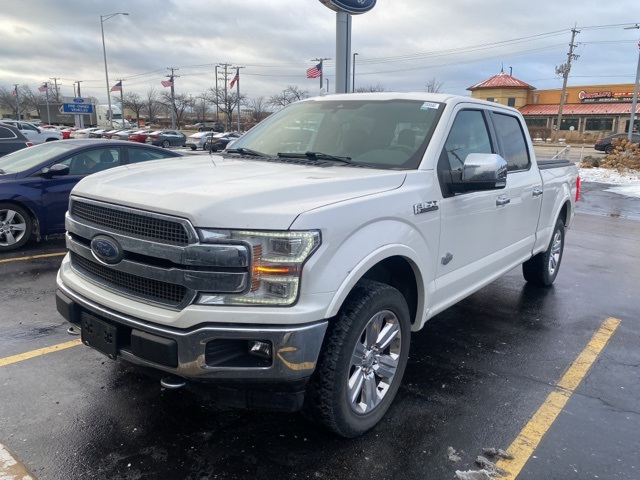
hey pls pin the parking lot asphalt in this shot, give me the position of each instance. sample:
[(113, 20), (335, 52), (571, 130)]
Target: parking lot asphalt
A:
[(478, 375)]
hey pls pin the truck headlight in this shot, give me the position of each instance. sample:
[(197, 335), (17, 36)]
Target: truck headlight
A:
[(276, 265)]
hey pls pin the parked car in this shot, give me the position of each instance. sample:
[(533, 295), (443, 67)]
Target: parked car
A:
[(209, 127), (123, 134), (11, 139), (33, 133), (35, 183), (83, 132), (139, 135), (109, 133), (198, 140), (604, 144), (166, 138), (97, 133), (221, 140)]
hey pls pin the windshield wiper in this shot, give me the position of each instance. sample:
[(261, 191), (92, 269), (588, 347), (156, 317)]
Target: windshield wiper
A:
[(315, 156), (248, 151)]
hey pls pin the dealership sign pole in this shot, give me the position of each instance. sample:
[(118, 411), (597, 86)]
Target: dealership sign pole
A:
[(344, 9), (635, 93)]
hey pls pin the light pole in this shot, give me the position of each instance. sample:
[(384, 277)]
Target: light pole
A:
[(353, 84), (104, 18), (635, 92)]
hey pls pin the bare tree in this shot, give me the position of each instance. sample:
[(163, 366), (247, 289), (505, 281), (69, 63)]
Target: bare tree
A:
[(32, 100), (201, 108), (259, 110), (226, 105), (152, 104), (289, 95), (134, 102), (433, 85), (8, 102), (179, 106), (378, 87)]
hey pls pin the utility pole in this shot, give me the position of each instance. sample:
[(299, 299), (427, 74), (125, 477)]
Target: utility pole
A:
[(634, 102), (226, 100), (237, 81), (55, 86), (564, 70), (17, 101), (172, 77), (217, 97), (321, 61)]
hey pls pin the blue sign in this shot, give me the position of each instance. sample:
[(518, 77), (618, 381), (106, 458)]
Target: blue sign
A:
[(77, 108), (353, 7)]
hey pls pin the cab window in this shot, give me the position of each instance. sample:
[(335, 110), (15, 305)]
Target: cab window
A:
[(468, 134), (512, 139)]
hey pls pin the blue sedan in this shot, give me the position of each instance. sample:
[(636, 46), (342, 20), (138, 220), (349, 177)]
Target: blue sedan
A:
[(35, 182)]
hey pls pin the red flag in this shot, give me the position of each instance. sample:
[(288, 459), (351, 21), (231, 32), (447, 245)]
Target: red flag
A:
[(315, 71), (42, 88), (117, 87), (234, 80), (167, 83)]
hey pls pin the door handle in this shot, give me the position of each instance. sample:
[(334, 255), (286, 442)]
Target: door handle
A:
[(537, 192), (502, 200)]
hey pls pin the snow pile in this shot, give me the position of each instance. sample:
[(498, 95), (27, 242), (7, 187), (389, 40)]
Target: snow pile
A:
[(627, 184)]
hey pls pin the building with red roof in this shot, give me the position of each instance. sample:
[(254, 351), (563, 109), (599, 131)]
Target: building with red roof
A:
[(596, 109)]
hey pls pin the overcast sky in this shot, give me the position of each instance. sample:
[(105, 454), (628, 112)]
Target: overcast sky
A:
[(401, 44)]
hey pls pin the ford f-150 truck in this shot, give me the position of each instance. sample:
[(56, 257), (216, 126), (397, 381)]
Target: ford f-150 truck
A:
[(289, 271)]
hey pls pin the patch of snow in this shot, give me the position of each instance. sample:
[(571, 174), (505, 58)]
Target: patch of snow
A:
[(627, 184)]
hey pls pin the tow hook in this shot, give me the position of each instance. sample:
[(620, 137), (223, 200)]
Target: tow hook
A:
[(73, 331), (173, 382)]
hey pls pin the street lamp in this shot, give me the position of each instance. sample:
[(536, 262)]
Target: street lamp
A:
[(353, 84), (104, 18), (635, 91)]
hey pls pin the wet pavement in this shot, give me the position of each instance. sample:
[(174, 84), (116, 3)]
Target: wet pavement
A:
[(476, 374)]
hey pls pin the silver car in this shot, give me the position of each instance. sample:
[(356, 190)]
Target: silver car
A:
[(197, 140)]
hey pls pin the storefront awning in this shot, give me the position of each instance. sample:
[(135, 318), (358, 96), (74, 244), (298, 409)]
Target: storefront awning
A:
[(579, 109)]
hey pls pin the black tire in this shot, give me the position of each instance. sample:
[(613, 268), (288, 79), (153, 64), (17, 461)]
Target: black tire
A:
[(16, 227), (193, 147), (347, 357), (165, 144), (542, 269), (608, 149)]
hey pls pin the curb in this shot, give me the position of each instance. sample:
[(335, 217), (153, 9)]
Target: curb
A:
[(11, 468)]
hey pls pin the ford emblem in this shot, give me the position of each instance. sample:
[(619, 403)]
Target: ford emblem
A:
[(106, 250), (78, 100)]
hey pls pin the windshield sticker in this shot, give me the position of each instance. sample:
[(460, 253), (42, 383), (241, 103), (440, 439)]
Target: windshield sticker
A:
[(427, 105)]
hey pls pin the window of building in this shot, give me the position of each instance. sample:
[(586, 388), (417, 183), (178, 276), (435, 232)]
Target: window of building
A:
[(567, 123), (536, 122), (598, 124), (491, 99), (513, 141), (636, 125), (511, 102)]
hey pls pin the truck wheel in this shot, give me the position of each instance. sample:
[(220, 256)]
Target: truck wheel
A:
[(15, 227), (542, 269), (362, 362)]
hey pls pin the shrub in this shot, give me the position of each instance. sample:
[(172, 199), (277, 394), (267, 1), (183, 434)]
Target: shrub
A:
[(590, 162), (624, 156)]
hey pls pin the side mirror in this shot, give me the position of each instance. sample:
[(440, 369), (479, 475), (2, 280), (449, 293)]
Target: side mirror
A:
[(56, 170), (480, 171)]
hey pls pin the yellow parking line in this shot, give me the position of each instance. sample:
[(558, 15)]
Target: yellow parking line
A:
[(530, 436), (43, 255), (35, 353)]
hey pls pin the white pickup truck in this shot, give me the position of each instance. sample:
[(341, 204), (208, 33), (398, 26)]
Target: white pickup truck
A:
[(289, 271)]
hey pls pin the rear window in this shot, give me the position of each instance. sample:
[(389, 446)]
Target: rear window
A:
[(6, 133)]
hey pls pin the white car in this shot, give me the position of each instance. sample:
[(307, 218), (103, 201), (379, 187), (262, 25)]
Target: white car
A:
[(84, 132), (35, 134)]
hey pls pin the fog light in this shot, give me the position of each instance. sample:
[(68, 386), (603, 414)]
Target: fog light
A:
[(260, 348)]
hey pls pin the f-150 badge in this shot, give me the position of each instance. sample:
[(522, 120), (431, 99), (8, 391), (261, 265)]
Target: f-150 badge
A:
[(425, 207)]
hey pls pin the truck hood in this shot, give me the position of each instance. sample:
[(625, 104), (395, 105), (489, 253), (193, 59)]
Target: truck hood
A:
[(212, 191)]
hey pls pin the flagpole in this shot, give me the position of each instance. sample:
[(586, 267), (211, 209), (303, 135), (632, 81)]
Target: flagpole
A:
[(121, 103), (48, 113), (17, 103)]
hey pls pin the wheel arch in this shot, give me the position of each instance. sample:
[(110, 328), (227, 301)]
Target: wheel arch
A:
[(393, 265)]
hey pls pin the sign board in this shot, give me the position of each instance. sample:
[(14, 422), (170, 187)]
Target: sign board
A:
[(77, 105), (354, 7)]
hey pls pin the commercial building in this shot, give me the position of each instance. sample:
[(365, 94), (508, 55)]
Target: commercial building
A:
[(587, 109)]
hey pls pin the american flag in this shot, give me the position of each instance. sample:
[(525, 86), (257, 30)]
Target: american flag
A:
[(315, 71), (42, 88), (167, 83), (234, 80), (117, 87)]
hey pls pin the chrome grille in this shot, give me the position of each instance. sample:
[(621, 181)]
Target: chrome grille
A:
[(152, 290), (131, 224)]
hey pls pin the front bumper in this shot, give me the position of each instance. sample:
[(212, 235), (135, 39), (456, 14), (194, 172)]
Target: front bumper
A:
[(207, 352)]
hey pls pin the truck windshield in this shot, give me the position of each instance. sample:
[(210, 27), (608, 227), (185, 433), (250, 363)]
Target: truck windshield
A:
[(391, 134)]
